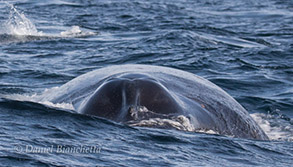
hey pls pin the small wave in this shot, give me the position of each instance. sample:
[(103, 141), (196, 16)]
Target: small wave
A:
[(232, 41), (12, 38), (34, 98), (200, 39)]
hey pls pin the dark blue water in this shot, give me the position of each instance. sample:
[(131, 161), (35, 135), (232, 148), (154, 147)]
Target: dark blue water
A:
[(244, 46)]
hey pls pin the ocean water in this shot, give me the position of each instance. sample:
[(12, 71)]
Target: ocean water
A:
[(243, 46)]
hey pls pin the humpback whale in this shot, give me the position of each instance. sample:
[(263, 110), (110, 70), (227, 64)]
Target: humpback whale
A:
[(144, 95)]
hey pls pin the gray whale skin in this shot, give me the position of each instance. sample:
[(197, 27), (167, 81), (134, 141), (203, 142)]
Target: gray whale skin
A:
[(119, 92)]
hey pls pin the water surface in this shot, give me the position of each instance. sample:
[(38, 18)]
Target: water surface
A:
[(245, 47)]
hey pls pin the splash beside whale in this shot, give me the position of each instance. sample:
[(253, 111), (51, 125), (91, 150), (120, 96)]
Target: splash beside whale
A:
[(154, 96)]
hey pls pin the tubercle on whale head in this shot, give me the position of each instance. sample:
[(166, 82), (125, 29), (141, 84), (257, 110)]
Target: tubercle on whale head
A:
[(119, 95)]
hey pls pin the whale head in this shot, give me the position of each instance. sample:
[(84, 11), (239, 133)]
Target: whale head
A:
[(119, 98)]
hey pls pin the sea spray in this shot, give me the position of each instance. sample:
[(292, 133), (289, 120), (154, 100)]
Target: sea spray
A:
[(19, 24)]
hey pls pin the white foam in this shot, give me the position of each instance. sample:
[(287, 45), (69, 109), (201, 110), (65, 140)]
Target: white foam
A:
[(75, 31), (179, 122), (274, 126), (161, 122), (207, 131), (68, 106)]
